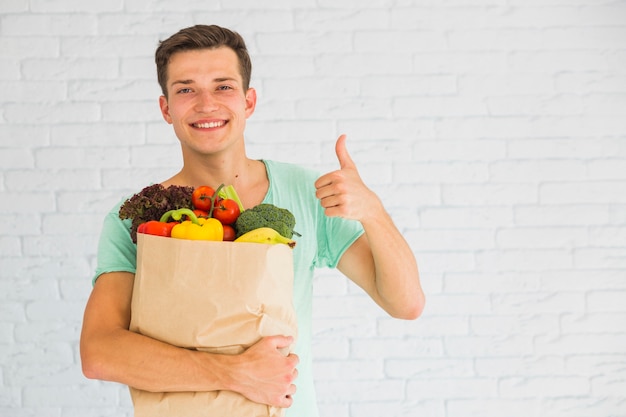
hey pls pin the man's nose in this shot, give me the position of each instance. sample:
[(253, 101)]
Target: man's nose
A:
[(206, 102)]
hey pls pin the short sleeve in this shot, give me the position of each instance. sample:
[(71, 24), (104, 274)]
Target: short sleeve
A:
[(116, 250), (334, 236), (325, 239)]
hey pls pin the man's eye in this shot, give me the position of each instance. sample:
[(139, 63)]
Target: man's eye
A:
[(224, 87), (184, 90)]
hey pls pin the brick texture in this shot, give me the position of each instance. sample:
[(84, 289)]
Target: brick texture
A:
[(495, 132)]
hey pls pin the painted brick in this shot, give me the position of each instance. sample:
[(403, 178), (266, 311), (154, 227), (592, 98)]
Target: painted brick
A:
[(351, 19), (374, 41), (26, 47), (49, 24), (581, 407), (533, 322), (562, 237), (429, 368), (98, 134), (429, 325), (362, 391), (66, 179), (580, 192), (396, 348), (489, 194), (450, 239), (34, 91), (31, 202), (69, 69), (11, 158), (572, 344), (578, 280), (350, 369), (14, 6), (9, 69), (487, 283), (605, 300), (453, 388), (432, 107), (394, 409), (447, 173), (594, 323), (493, 407), (557, 61), (561, 215), (73, 6), (503, 345), (254, 19), (106, 91), (346, 327), (524, 260), (590, 82), (544, 386), (600, 258), (529, 365), (65, 112), (492, 130), (67, 394)]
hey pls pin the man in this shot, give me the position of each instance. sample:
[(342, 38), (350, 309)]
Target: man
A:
[(204, 73)]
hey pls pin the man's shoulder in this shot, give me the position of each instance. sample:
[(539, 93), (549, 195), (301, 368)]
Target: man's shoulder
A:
[(290, 169)]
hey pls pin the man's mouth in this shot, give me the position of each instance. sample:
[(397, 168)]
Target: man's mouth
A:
[(209, 125)]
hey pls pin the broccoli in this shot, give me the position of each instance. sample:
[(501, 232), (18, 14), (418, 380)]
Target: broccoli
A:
[(266, 215)]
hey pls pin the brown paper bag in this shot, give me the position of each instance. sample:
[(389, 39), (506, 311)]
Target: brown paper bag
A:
[(219, 297)]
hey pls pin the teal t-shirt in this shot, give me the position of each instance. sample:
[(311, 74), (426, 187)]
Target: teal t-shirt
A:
[(323, 242)]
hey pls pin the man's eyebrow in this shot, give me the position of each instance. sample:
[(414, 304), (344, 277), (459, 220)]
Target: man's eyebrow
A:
[(217, 80), (222, 79), (181, 82)]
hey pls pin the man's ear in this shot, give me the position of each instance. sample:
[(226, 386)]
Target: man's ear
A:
[(250, 101), (165, 109)]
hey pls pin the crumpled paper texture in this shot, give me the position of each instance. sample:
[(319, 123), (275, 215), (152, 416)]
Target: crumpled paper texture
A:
[(219, 297)]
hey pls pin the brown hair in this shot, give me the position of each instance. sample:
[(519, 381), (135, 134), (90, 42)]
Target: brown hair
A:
[(202, 37)]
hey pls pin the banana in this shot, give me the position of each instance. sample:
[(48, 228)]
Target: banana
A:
[(265, 235)]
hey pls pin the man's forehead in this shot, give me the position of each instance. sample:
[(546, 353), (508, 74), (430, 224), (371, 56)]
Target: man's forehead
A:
[(220, 63)]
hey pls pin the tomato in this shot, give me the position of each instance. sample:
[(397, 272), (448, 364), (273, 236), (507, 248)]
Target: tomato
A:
[(229, 233), (201, 197), (201, 213), (226, 211)]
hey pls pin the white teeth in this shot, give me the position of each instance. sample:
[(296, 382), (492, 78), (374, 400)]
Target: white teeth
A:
[(208, 125)]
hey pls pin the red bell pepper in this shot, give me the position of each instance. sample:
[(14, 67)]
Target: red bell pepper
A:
[(154, 227)]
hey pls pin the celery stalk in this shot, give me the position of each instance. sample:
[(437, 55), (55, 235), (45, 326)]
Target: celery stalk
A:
[(230, 193)]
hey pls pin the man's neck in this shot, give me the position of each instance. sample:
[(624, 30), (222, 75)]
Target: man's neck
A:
[(247, 176)]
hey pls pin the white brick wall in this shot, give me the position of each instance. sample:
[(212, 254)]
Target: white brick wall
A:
[(495, 131)]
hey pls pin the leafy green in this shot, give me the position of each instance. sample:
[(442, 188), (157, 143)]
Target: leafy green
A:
[(152, 202)]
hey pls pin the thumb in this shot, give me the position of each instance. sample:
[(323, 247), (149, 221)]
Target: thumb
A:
[(345, 161)]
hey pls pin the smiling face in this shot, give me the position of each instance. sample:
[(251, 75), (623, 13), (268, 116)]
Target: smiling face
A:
[(206, 103)]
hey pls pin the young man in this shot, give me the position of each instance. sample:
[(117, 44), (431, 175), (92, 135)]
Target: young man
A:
[(204, 73)]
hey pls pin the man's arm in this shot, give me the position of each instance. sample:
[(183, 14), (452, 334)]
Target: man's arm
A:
[(380, 261), (109, 351)]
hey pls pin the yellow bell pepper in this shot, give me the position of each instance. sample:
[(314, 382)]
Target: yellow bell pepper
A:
[(195, 228)]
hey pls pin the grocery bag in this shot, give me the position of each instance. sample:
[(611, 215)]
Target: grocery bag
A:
[(219, 297)]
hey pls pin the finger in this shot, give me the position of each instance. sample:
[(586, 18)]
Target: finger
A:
[(323, 181), (287, 401), (345, 161), (280, 342)]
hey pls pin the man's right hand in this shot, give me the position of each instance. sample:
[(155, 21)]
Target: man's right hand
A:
[(264, 374)]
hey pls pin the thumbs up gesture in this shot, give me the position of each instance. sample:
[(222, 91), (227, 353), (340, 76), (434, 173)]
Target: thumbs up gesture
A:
[(342, 193)]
